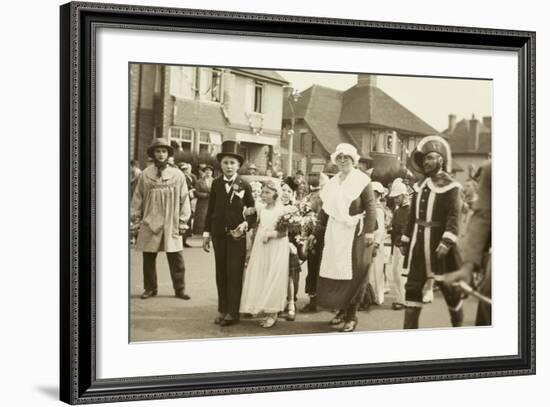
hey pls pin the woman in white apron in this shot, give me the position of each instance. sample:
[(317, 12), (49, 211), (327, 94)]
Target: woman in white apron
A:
[(347, 219)]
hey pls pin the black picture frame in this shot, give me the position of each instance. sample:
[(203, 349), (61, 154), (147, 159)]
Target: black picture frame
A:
[(78, 382)]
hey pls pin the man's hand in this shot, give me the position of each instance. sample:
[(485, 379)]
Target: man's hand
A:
[(249, 211), (441, 250), (369, 240), (206, 244), (465, 273), (404, 249)]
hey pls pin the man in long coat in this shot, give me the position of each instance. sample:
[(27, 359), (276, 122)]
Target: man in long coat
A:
[(226, 224), (430, 241), (160, 211)]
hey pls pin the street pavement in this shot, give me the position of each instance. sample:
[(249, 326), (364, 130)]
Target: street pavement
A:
[(166, 317)]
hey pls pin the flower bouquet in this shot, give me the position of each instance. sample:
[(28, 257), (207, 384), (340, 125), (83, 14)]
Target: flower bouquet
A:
[(290, 221)]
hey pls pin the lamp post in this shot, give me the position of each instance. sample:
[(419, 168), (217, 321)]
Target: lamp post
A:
[(292, 98)]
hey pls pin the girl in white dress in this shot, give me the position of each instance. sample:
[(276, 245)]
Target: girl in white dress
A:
[(266, 277)]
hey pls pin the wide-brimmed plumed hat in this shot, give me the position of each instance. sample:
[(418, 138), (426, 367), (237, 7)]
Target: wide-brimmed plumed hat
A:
[(230, 148), (432, 144), (160, 142)]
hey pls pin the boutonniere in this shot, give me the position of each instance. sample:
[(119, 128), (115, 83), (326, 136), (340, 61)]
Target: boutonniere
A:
[(238, 190)]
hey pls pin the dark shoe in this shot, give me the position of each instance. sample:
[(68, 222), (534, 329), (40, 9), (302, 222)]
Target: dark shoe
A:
[(228, 322), (457, 318), (181, 294), (412, 315), (338, 319), (349, 326), (311, 307), (148, 294), (219, 319), (185, 244)]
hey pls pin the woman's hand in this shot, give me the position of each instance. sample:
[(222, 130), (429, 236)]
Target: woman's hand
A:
[(266, 237), (369, 239)]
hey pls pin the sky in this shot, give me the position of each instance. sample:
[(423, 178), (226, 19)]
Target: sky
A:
[(431, 99)]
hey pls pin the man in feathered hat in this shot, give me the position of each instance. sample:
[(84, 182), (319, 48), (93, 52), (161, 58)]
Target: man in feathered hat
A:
[(159, 213), (226, 224), (429, 244)]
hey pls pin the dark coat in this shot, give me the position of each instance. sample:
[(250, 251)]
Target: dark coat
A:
[(339, 294), (433, 217), (225, 211), (202, 192)]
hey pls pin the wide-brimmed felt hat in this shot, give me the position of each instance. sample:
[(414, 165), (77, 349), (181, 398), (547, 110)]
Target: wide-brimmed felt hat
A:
[(432, 144), (206, 167), (231, 149), (160, 142)]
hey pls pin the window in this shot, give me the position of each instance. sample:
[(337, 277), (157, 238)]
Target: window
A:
[(243, 151), (182, 136), (216, 88), (209, 142), (313, 145), (303, 142), (258, 96)]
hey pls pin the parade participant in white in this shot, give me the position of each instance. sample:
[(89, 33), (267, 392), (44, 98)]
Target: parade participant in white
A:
[(348, 214), (266, 277)]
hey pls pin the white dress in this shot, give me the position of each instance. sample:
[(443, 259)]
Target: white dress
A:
[(266, 276)]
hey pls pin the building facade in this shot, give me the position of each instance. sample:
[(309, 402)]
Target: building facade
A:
[(197, 108), (382, 130), (470, 142)]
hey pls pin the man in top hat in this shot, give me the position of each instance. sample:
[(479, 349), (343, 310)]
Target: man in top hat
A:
[(159, 213), (226, 227), (429, 244)]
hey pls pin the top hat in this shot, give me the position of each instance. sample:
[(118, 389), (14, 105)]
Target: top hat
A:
[(231, 149), (160, 142)]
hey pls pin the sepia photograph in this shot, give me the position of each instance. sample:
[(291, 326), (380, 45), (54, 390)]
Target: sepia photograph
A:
[(275, 202)]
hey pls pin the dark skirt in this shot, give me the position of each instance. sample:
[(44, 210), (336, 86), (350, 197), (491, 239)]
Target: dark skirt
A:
[(339, 294)]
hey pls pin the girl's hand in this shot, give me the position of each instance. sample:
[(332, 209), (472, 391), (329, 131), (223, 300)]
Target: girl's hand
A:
[(266, 237)]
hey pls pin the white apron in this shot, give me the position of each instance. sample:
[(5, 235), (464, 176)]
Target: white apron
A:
[(337, 197)]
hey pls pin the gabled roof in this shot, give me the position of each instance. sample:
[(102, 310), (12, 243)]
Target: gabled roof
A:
[(265, 73), (460, 139), (320, 108), (371, 105)]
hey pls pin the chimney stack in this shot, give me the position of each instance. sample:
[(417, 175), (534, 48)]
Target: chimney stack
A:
[(452, 122), (364, 79), (474, 132), (487, 122)]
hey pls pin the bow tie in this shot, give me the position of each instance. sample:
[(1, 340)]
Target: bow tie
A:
[(228, 181)]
